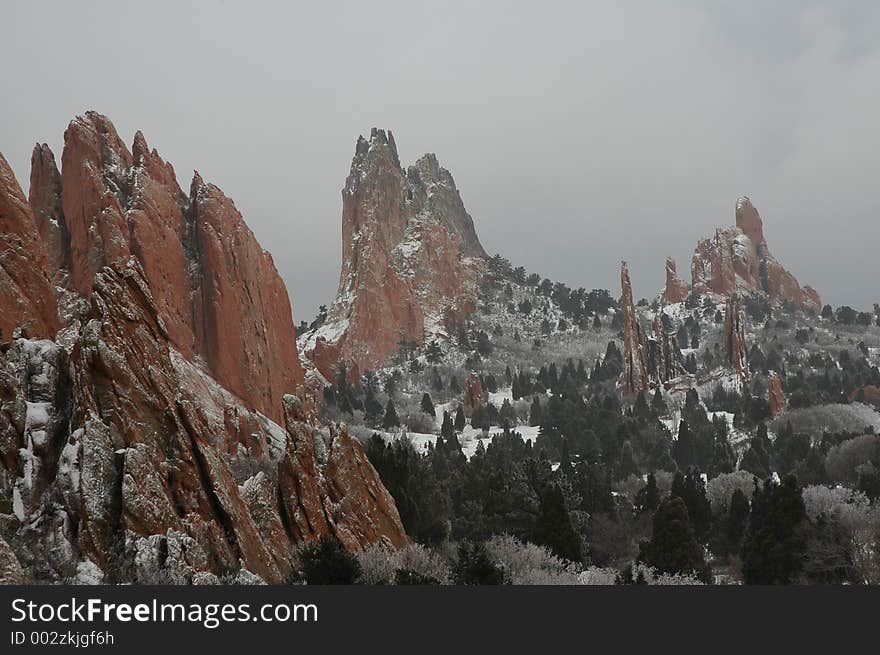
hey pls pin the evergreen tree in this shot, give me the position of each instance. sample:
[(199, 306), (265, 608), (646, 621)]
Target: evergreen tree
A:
[(475, 567), (673, 547), (648, 497), (447, 429), (775, 542), (733, 525), (390, 419), (372, 408), (658, 404), (459, 419), (535, 412), (428, 406), (692, 491), (554, 527), (433, 353), (627, 465), (684, 449), (328, 563)]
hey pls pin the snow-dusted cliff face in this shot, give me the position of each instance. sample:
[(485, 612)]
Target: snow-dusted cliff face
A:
[(411, 259), (737, 259), (156, 438)]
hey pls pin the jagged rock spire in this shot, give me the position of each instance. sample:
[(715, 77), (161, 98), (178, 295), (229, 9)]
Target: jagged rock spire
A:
[(634, 377), (735, 339)]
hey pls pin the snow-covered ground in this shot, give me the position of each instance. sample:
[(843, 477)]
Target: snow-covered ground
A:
[(469, 438)]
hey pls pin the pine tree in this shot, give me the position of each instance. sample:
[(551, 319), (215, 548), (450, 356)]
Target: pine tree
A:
[(372, 408), (692, 491), (535, 412), (508, 376), (733, 525), (428, 405), (460, 421), (565, 464), (554, 527), (684, 450), (658, 405), (627, 465), (648, 497), (447, 429), (673, 547), (597, 324), (390, 419), (433, 353), (775, 542)]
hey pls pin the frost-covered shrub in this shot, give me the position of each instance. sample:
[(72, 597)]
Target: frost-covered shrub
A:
[(380, 565), (834, 418), (598, 576), (843, 459), (848, 506), (529, 564), (720, 489)]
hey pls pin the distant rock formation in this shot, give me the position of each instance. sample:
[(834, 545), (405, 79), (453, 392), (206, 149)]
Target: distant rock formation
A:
[(474, 395), (775, 395), (737, 260), (634, 377), (735, 348), (664, 355), (411, 260), (676, 289)]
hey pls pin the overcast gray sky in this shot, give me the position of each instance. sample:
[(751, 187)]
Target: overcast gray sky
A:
[(579, 133)]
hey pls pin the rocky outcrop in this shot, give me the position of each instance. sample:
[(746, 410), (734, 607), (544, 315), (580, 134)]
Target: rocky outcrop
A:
[(27, 299), (665, 362), (775, 395), (868, 394), (735, 347), (216, 290), (411, 260), (737, 260), (130, 464), (676, 289), (635, 375), (474, 394)]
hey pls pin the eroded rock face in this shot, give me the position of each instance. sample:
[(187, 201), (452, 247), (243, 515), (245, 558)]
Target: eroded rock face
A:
[(664, 355), (27, 298), (737, 260), (127, 463), (676, 289), (775, 395), (216, 290), (411, 260), (735, 347), (634, 377)]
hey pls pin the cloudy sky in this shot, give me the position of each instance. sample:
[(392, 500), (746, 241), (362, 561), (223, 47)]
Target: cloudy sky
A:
[(579, 133)]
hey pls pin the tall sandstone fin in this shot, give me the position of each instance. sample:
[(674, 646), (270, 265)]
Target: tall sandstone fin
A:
[(27, 297), (216, 290), (411, 259)]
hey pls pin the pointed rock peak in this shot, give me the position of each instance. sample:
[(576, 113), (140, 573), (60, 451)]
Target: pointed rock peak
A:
[(93, 135), (197, 186), (43, 157), (749, 221), (139, 148), (381, 142), (676, 289)]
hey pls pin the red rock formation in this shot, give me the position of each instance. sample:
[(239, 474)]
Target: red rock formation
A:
[(411, 260), (775, 395), (634, 377), (664, 356), (157, 471), (735, 348), (737, 260), (676, 289), (868, 394), (474, 395), (27, 297), (44, 198), (217, 291)]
